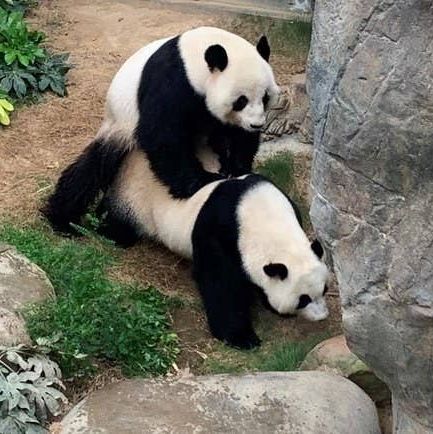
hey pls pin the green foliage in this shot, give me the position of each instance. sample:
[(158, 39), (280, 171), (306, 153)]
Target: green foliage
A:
[(17, 42), (5, 108), (52, 72), (278, 356), (29, 389), (17, 5), (288, 356), (94, 318), (280, 169), (27, 68)]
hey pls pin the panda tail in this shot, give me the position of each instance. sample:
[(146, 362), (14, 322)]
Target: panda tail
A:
[(80, 183)]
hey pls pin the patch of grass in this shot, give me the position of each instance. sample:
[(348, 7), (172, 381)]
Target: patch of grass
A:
[(290, 38), (92, 318), (278, 356), (280, 169), (288, 356)]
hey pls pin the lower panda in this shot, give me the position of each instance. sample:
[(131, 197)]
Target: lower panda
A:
[(243, 234)]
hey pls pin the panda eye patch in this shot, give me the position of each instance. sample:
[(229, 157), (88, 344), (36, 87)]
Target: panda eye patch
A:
[(265, 100), (304, 301), (240, 103)]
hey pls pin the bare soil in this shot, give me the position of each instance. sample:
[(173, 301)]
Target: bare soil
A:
[(45, 138)]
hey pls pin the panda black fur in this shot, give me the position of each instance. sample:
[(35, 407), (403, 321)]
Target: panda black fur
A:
[(206, 85), (243, 234)]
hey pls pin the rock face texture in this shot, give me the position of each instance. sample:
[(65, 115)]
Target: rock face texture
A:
[(289, 113), (21, 283), (371, 91), (292, 402)]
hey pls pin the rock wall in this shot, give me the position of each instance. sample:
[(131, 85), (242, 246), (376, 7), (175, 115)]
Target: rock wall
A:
[(370, 82)]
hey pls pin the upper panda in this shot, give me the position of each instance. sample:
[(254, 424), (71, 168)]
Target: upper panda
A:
[(205, 86)]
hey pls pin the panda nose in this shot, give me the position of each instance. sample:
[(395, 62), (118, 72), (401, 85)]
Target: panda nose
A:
[(256, 127)]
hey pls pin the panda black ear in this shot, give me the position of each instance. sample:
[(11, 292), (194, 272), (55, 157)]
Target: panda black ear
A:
[(216, 58), (317, 248), (263, 48), (276, 270)]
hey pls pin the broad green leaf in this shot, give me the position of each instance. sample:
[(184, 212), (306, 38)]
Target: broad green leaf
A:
[(57, 88), (6, 84), (13, 356), (44, 83), (20, 87), (10, 57), (30, 78), (23, 403), (9, 107), (24, 60), (4, 117)]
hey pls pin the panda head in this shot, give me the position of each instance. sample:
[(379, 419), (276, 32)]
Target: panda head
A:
[(233, 76), (297, 287)]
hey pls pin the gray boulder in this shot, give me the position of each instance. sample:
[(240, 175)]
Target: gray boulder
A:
[(291, 402), (21, 283), (370, 83)]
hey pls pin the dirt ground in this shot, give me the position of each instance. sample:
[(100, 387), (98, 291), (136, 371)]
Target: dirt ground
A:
[(44, 138)]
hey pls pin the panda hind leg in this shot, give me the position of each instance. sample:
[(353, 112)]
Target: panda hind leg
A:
[(117, 224), (226, 295)]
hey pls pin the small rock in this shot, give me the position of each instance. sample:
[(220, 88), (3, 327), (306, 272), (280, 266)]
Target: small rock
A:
[(21, 283), (333, 355), (291, 402)]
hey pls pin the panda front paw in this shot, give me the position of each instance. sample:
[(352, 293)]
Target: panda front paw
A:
[(243, 341)]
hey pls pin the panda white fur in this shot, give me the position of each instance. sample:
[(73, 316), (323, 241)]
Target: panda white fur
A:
[(206, 85), (242, 234)]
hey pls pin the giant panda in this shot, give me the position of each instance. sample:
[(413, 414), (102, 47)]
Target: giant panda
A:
[(205, 86), (243, 235)]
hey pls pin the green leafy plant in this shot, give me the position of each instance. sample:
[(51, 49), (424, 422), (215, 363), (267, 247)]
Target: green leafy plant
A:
[(16, 81), (17, 42), (27, 68), (96, 320), (5, 108), (30, 386), (52, 72)]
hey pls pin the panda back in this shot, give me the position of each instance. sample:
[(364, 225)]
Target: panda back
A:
[(148, 202), (122, 97)]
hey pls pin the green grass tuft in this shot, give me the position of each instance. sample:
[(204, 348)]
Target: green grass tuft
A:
[(280, 170), (288, 356), (278, 356), (92, 318)]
